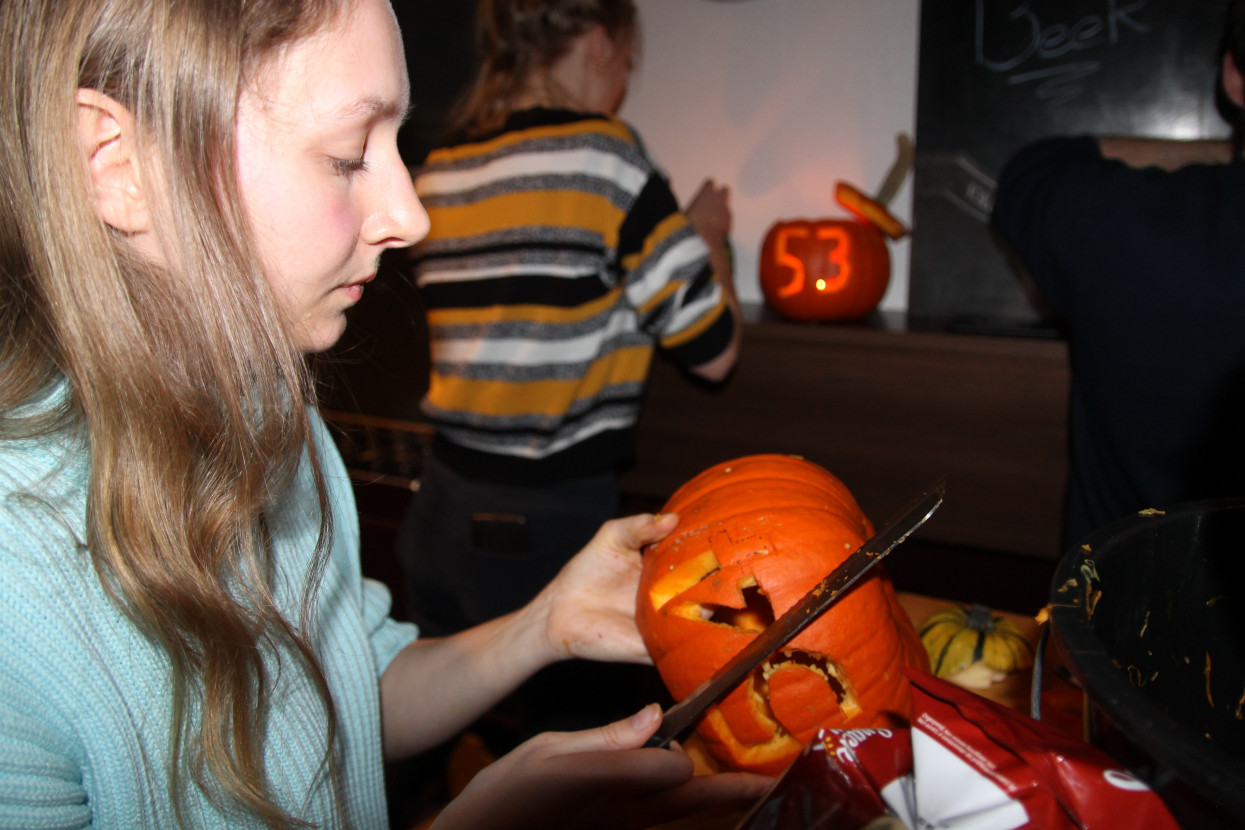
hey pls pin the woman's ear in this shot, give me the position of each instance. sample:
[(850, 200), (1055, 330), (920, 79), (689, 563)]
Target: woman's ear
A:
[(107, 134), (1233, 82), (598, 46)]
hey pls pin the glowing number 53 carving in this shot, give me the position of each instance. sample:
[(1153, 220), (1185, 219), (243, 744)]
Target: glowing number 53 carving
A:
[(837, 251), (824, 269)]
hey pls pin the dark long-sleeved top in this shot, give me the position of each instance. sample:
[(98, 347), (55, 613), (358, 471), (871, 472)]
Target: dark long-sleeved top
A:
[(1147, 270)]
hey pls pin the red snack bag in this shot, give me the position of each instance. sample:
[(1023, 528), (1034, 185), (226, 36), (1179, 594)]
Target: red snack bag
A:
[(980, 765), (966, 764), (837, 782), (880, 759)]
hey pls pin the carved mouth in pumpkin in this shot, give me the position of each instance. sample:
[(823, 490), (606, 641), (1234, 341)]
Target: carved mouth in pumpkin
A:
[(786, 698), (787, 675), (791, 676)]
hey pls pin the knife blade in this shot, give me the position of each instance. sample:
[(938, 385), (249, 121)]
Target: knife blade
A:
[(682, 716)]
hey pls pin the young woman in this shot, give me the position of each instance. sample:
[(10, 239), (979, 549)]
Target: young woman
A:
[(559, 261), (196, 191)]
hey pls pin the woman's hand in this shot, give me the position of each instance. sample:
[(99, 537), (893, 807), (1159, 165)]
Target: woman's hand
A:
[(598, 779), (588, 610), (436, 686), (710, 213)]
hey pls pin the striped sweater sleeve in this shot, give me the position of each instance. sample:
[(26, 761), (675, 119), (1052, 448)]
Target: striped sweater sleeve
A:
[(670, 279)]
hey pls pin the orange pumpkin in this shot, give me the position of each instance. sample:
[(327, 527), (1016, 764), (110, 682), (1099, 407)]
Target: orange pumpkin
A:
[(830, 269), (754, 535)]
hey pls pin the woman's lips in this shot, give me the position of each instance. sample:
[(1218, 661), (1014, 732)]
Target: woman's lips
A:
[(354, 290)]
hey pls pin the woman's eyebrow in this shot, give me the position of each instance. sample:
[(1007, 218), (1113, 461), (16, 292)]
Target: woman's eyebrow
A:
[(374, 108)]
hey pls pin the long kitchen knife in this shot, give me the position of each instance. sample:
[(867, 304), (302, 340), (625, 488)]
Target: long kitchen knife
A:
[(682, 716)]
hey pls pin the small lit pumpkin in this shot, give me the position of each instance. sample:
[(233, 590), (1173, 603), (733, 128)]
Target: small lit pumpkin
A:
[(754, 535), (829, 269), (958, 638)]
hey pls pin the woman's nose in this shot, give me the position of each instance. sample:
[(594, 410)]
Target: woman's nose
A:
[(398, 219)]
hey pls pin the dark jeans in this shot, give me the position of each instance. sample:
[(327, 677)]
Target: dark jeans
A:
[(473, 551)]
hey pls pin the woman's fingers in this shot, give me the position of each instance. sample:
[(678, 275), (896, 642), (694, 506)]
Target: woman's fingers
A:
[(629, 733), (589, 608), (596, 779), (632, 533)]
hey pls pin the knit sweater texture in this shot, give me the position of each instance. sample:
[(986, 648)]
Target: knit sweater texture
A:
[(85, 697)]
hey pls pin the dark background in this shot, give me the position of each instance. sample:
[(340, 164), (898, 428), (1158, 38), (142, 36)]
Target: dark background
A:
[(440, 56), (380, 366)]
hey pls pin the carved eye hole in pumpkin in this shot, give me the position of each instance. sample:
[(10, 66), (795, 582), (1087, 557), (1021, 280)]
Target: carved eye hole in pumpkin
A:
[(679, 579), (756, 614)]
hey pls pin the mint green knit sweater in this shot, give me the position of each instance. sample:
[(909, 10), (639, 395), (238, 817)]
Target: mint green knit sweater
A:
[(84, 698)]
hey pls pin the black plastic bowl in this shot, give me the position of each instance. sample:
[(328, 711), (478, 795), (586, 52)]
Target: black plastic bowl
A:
[(1149, 614)]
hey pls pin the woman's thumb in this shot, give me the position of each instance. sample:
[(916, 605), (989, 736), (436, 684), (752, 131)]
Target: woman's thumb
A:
[(646, 720), (632, 732)]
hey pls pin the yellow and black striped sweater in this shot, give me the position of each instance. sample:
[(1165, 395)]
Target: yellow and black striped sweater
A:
[(557, 262)]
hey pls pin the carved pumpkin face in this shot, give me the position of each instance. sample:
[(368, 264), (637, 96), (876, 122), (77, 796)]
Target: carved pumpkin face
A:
[(831, 269), (754, 535)]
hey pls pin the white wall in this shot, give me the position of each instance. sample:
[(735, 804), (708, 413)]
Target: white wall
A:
[(779, 99)]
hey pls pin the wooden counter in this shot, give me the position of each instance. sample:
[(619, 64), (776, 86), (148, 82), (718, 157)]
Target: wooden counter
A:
[(888, 409)]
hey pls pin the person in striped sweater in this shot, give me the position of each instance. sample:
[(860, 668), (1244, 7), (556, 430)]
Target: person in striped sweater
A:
[(558, 262)]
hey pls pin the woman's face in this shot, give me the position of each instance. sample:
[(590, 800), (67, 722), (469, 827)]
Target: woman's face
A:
[(318, 166)]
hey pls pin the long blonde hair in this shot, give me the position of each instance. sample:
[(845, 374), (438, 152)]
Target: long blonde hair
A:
[(185, 381), (516, 39)]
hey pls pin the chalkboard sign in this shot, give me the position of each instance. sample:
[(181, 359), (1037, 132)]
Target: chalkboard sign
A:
[(997, 74)]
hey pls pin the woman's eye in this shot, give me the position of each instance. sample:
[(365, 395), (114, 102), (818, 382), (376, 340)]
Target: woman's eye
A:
[(349, 167)]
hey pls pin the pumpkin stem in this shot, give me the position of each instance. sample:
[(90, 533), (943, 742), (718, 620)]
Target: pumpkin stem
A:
[(980, 618)]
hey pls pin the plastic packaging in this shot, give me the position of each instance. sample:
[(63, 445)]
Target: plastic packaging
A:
[(966, 764)]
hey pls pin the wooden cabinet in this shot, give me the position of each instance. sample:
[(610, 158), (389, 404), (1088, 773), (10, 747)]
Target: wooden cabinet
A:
[(888, 408)]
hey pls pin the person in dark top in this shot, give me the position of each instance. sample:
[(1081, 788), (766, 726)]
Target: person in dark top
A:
[(1139, 246)]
